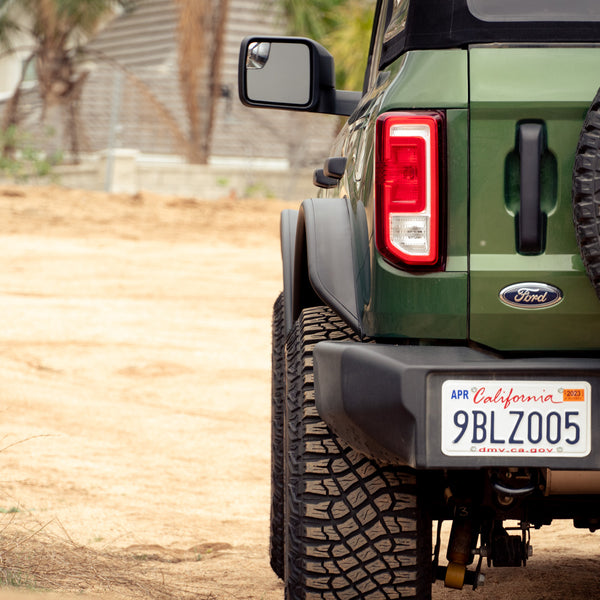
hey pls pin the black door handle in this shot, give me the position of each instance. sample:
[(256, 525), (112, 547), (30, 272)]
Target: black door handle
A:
[(530, 223)]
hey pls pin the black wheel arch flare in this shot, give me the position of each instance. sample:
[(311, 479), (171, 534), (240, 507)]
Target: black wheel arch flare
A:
[(319, 262)]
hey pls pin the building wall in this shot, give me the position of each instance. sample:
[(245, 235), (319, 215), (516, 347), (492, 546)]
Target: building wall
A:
[(302, 139), (131, 105), (144, 44), (11, 65)]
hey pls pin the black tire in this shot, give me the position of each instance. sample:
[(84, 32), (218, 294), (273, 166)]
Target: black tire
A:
[(586, 193), (354, 529), (277, 410)]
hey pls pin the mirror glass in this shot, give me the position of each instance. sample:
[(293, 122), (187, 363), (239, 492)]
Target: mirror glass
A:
[(278, 72)]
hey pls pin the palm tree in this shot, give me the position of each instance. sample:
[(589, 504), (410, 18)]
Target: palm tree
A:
[(343, 26), (310, 18), (349, 41), (201, 26), (57, 29)]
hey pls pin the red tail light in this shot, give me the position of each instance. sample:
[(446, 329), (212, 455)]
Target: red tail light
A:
[(407, 188)]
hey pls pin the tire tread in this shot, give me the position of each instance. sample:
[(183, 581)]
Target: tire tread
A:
[(276, 538), (586, 193), (352, 528)]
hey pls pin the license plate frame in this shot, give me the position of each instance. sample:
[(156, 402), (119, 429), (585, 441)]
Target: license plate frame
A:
[(516, 418)]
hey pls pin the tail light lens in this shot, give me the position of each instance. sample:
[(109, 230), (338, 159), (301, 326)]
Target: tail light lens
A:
[(407, 176)]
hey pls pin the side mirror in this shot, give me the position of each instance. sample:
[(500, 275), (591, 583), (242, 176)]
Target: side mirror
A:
[(290, 73)]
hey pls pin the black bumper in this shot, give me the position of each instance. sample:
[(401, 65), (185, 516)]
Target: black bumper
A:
[(385, 401)]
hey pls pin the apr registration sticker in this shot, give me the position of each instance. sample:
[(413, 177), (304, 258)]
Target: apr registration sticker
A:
[(516, 418)]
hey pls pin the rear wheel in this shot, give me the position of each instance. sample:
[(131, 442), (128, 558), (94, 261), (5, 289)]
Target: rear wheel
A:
[(353, 528), (277, 403)]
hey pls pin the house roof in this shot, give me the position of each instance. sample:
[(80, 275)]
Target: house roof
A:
[(132, 97), (144, 37)]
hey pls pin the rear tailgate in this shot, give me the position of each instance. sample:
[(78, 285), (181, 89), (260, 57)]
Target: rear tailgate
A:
[(517, 93)]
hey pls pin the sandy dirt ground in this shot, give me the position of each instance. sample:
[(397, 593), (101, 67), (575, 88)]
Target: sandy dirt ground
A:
[(134, 404)]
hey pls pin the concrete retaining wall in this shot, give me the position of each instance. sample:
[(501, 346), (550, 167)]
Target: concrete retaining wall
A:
[(128, 171)]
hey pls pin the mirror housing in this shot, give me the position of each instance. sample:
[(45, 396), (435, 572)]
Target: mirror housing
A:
[(291, 73)]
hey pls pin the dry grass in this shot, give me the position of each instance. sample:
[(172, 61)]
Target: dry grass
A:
[(34, 558)]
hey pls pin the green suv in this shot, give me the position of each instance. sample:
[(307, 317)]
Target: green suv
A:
[(436, 347)]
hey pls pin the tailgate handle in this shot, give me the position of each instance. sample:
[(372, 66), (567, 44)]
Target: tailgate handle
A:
[(530, 223)]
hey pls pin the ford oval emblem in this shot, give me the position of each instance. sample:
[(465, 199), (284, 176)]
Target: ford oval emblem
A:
[(531, 295)]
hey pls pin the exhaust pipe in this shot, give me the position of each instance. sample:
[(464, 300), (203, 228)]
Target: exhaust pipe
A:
[(572, 482)]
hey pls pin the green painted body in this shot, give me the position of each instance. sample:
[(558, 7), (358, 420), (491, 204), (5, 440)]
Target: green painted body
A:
[(485, 92), (398, 303), (509, 85)]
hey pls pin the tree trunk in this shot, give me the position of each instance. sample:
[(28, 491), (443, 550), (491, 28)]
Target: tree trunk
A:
[(201, 31), (193, 33), (214, 83)]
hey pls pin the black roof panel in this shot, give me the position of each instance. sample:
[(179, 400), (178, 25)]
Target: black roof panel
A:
[(434, 24)]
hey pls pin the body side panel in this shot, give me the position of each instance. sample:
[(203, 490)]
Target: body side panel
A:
[(401, 303)]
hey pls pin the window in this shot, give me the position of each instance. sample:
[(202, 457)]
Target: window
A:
[(535, 10), (390, 23), (397, 21), (376, 44)]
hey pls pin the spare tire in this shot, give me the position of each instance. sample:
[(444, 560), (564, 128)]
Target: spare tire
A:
[(586, 193)]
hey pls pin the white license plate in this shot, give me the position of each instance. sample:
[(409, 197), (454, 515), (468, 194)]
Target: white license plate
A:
[(516, 418)]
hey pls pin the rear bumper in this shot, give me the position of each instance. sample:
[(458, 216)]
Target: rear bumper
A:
[(385, 401)]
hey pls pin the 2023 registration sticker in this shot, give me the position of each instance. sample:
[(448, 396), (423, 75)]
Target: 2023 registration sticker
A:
[(516, 418)]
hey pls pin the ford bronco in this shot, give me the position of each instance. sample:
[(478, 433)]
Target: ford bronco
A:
[(436, 346)]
